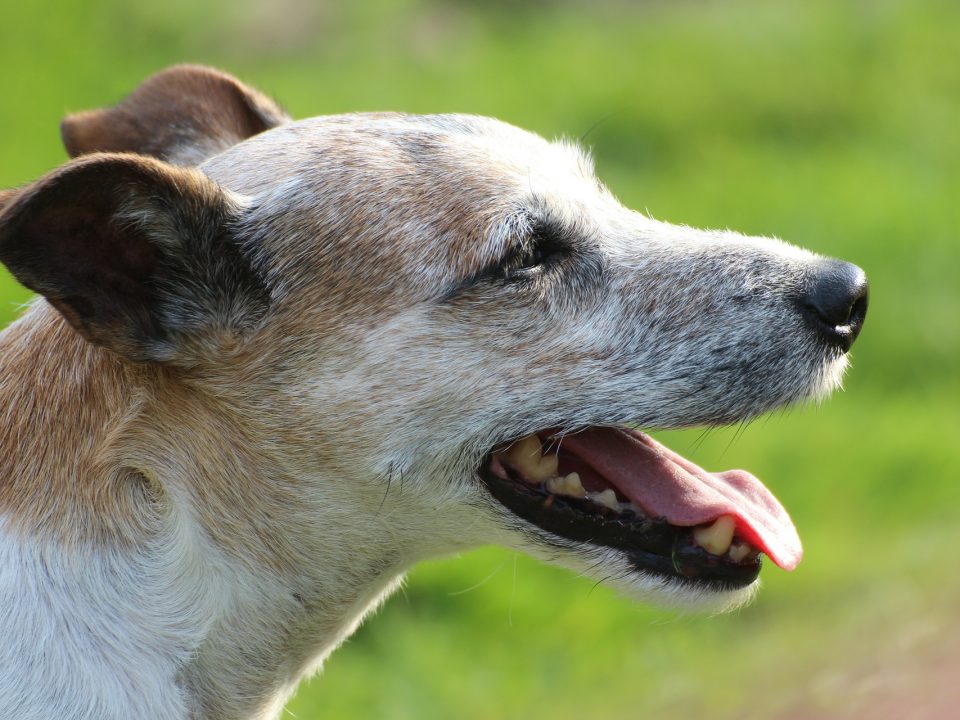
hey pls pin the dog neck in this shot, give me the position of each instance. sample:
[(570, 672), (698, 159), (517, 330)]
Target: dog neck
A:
[(177, 554)]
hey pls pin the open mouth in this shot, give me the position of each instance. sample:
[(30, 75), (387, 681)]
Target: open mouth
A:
[(620, 488)]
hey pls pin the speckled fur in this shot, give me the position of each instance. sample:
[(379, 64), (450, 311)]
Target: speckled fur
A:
[(188, 538)]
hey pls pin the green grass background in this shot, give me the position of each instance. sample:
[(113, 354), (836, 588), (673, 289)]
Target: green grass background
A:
[(832, 124)]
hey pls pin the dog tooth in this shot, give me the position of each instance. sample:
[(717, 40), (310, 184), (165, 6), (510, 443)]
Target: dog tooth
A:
[(716, 537), (549, 467), (526, 458), (574, 484), (607, 498), (568, 485), (525, 448), (739, 550)]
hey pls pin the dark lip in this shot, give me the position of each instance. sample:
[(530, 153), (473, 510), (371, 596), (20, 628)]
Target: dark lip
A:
[(653, 545)]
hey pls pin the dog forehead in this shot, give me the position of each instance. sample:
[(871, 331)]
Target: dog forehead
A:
[(422, 194), (395, 145)]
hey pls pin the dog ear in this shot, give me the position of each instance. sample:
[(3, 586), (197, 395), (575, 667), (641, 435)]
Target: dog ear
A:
[(6, 197), (182, 115), (137, 255)]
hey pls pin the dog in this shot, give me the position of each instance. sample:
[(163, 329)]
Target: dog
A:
[(275, 364)]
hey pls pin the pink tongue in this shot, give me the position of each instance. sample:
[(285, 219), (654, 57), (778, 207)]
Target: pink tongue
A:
[(667, 485)]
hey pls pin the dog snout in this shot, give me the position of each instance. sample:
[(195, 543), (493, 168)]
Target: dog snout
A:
[(835, 302)]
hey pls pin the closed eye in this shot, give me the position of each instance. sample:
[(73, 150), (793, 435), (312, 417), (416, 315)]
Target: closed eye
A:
[(542, 253), (543, 247)]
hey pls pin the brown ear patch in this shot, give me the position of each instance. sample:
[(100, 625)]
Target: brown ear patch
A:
[(182, 115), (136, 254), (59, 239), (6, 197)]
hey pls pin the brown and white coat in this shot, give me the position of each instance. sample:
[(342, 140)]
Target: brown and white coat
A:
[(271, 356)]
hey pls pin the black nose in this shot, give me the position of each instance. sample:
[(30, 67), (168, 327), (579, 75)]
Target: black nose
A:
[(836, 302)]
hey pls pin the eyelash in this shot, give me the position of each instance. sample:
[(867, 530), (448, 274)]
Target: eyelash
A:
[(543, 248)]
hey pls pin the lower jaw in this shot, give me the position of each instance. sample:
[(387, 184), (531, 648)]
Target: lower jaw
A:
[(653, 546)]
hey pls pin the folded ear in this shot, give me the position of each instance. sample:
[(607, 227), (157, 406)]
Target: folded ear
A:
[(183, 115), (136, 254), (6, 197)]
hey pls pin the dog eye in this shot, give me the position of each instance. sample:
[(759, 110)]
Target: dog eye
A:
[(544, 247)]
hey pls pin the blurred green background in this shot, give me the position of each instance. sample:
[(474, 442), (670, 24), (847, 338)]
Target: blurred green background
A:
[(831, 124)]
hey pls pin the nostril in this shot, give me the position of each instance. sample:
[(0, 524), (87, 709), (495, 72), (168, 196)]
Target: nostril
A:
[(838, 294), (836, 301), (858, 312)]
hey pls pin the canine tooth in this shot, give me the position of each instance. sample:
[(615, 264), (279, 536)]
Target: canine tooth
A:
[(549, 466), (607, 498), (568, 485), (739, 550), (716, 537), (526, 458)]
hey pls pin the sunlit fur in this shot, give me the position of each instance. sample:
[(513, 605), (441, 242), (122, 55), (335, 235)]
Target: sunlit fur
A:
[(188, 539)]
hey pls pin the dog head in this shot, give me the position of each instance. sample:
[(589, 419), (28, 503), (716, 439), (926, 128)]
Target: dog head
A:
[(449, 323)]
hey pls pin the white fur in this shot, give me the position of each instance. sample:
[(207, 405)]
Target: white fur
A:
[(107, 631)]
